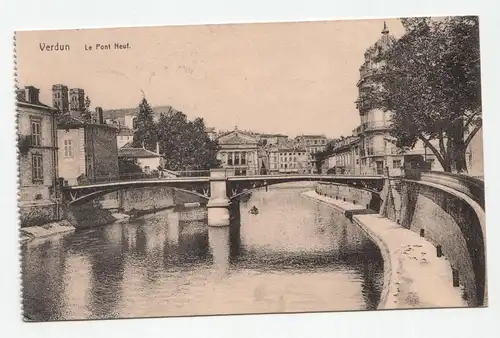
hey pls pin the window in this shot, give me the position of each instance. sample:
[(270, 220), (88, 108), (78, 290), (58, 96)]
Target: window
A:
[(429, 162), (315, 141), (37, 168), (68, 149), (396, 164), (36, 132), (229, 159)]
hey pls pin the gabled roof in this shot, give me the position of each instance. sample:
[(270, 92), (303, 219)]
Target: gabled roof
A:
[(129, 152), (237, 137)]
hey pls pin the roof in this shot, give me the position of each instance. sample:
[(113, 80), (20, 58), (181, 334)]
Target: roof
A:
[(125, 132), (345, 145), (273, 135), (237, 137), (122, 112), (21, 101), (129, 152), (67, 121), (311, 136)]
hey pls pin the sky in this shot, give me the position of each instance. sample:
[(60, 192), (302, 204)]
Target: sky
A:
[(290, 78)]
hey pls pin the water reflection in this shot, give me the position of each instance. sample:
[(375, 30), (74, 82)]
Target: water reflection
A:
[(219, 246), (296, 255)]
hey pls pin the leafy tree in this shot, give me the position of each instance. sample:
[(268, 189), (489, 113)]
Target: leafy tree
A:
[(321, 156), (430, 81), (128, 166), (86, 114), (145, 133), (185, 144)]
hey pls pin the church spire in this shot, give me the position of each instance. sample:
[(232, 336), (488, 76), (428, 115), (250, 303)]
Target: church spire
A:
[(385, 31)]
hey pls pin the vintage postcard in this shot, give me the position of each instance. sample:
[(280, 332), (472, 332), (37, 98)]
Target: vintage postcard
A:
[(251, 168)]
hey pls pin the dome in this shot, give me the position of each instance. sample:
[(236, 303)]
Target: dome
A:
[(386, 41)]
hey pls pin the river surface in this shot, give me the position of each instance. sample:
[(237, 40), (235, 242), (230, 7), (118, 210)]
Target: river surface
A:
[(296, 255)]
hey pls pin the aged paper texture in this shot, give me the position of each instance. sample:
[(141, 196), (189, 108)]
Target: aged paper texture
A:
[(251, 168)]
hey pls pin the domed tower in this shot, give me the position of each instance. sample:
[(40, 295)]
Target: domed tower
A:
[(375, 151)]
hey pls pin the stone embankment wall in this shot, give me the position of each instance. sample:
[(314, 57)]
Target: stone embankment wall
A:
[(443, 216), (149, 198), (138, 200), (366, 198), (444, 219), (34, 214)]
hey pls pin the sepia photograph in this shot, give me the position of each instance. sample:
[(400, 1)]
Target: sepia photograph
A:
[(251, 168)]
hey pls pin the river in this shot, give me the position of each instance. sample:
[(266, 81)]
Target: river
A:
[(296, 255)]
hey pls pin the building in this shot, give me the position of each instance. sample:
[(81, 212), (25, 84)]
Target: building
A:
[(377, 150), (294, 159), (344, 158), (38, 172), (312, 143), (76, 101), (146, 159), (88, 152), (474, 155), (212, 134), (269, 139), (238, 153), (124, 136), (263, 158), (60, 98)]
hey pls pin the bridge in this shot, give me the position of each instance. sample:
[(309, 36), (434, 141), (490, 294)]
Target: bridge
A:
[(219, 186)]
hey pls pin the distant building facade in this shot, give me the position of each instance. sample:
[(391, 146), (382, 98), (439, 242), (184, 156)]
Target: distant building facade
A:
[(313, 144), (124, 136), (269, 139), (87, 151), (238, 153), (344, 159), (38, 172), (146, 159)]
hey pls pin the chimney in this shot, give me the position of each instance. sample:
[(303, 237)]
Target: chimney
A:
[(100, 115), (31, 94), (20, 95)]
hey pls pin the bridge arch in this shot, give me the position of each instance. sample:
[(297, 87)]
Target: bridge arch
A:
[(77, 195), (236, 192)]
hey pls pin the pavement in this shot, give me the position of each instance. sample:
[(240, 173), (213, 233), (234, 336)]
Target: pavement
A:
[(414, 277)]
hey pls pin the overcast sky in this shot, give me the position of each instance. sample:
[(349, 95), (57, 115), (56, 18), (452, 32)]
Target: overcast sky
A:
[(289, 78)]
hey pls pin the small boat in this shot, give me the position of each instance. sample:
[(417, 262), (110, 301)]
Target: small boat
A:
[(254, 210)]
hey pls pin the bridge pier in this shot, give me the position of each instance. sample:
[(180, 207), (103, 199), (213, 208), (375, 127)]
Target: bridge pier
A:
[(218, 204)]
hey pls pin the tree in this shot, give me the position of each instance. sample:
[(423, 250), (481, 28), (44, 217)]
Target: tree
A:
[(321, 156), (128, 166), (430, 81), (145, 134), (86, 114), (185, 144)]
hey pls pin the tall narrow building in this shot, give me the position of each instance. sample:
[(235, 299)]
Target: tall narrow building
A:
[(76, 101), (60, 98)]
